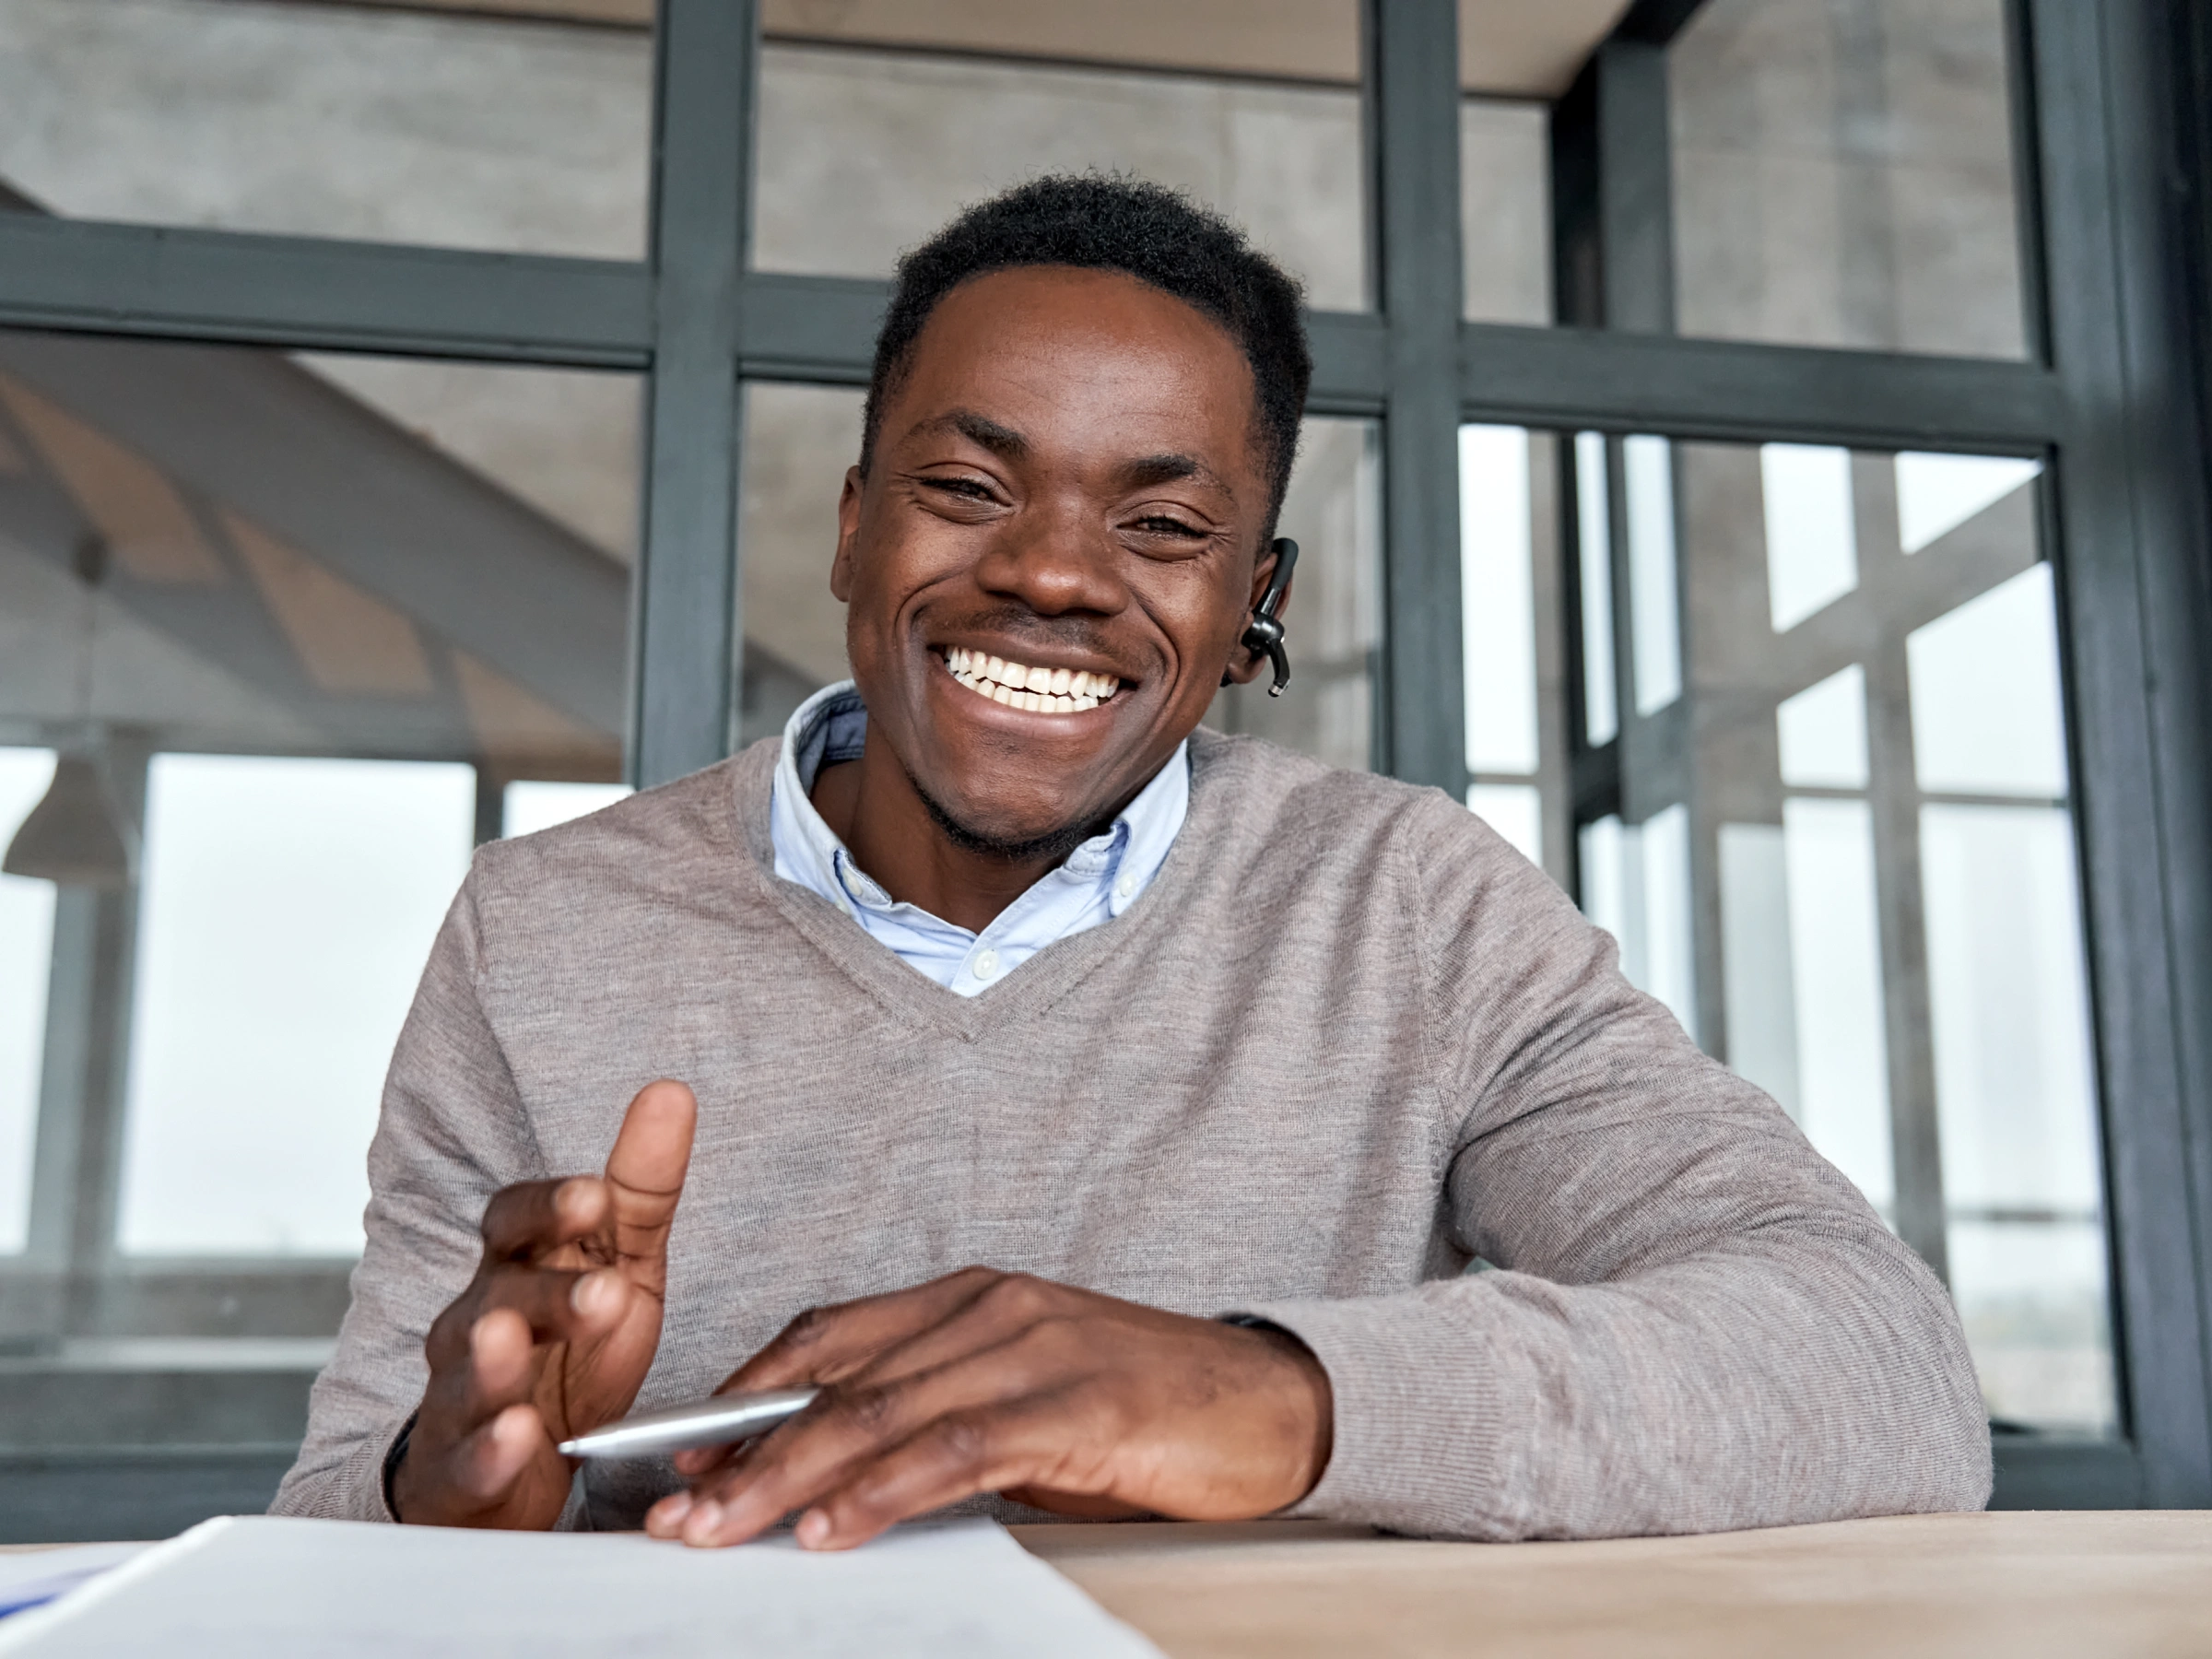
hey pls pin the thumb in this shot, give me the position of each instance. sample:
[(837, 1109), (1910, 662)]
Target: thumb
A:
[(645, 1170)]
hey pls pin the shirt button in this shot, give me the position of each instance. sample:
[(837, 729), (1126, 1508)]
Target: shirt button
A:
[(985, 965), (1125, 886)]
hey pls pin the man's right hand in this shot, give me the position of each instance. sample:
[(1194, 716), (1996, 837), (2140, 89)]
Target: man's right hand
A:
[(556, 1331)]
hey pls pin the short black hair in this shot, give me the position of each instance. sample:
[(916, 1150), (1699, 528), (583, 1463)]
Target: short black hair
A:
[(1112, 223)]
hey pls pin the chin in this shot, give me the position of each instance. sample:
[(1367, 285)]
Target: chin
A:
[(1003, 828)]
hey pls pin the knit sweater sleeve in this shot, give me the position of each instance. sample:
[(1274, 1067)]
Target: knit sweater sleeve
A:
[(452, 1131), (1696, 1322)]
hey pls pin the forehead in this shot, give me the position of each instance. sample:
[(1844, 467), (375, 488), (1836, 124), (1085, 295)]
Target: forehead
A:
[(1095, 358)]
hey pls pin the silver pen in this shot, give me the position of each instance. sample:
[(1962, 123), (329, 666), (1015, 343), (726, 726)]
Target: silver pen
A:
[(719, 1421)]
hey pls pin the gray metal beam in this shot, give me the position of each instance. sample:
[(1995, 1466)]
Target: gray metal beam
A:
[(304, 293), (822, 329), (301, 294), (687, 639), (2131, 542), (1656, 22), (811, 328), (1635, 186), (365, 498), (1730, 390), (1413, 126)]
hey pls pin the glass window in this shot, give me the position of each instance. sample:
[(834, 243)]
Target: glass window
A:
[(1334, 512), (1843, 175), (1505, 210), (1859, 827), (386, 125), (301, 622), (1593, 512), (1654, 602), (1636, 885), (1510, 633), (530, 805), (799, 441), (286, 907), (26, 953), (865, 150)]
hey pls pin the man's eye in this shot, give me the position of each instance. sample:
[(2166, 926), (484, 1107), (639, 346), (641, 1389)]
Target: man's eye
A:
[(966, 489), (1159, 524)]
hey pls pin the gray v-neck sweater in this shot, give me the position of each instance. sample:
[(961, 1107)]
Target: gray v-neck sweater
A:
[(1347, 1041)]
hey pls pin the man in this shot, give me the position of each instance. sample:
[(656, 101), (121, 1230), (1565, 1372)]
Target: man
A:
[(1223, 1064)]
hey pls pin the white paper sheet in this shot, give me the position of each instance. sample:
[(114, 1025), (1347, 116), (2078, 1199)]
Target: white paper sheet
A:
[(32, 1577), (246, 1587)]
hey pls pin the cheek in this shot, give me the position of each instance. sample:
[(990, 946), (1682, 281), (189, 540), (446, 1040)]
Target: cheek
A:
[(884, 580), (1205, 635)]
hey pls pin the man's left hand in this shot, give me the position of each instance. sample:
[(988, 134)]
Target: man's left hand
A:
[(987, 1382)]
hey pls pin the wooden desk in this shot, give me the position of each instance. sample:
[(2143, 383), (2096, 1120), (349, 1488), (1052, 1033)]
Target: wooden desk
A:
[(2115, 1584), (2086, 1585)]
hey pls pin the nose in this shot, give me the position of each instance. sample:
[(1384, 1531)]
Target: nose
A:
[(1053, 568)]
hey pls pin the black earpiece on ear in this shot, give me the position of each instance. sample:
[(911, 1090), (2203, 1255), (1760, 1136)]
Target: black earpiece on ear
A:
[(1265, 636)]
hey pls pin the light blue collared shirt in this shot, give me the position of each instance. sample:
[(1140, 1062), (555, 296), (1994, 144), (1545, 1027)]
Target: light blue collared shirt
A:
[(1099, 880)]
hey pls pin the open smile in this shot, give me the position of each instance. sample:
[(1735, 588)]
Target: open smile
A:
[(1039, 689)]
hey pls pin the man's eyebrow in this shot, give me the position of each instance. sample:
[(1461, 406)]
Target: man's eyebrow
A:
[(1166, 469), (1000, 440)]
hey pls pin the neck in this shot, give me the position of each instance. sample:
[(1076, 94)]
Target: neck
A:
[(872, 805)]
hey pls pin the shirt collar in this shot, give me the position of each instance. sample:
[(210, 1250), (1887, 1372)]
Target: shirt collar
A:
[(831, 727)]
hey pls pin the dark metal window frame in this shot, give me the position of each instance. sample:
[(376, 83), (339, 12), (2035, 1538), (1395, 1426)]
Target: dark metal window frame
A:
[(2107, 399)]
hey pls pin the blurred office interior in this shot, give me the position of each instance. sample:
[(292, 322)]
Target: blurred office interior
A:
[(1755, 460)]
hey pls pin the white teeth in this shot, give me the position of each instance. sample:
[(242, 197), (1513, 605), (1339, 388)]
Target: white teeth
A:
[(1018, 685)]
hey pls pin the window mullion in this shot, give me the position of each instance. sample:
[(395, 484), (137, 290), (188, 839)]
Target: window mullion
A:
[(685, 663), (1413, 91)]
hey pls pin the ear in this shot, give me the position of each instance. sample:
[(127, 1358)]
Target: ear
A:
[(1263, 568), (848, 533), (1243, 665)]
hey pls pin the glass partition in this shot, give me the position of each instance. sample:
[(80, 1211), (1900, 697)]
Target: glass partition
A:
[(384, 123), (1510, 594), (293, 628), (1844, 854), (286, 904), (1843, 175), (1334, 614), (26, 951), (1505, 210), (871, 138)]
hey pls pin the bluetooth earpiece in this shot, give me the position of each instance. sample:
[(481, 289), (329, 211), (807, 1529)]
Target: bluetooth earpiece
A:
[(1265, 636)]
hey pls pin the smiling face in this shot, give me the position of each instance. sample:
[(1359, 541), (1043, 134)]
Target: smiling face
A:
[(1066, 482)]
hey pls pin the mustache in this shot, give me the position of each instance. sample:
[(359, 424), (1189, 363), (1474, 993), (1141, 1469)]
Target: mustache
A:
[(1018, 623)]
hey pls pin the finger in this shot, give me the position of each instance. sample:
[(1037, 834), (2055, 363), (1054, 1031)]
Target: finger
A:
[(665, 1518), (532, 1217), (824, 1345), (1004, 1309), (814, 1453), (645, 1176), (492, 1374), (487, 1461), (558, 1304), (1060, 1441)]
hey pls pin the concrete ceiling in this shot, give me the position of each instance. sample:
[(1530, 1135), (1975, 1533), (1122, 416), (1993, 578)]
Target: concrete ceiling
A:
[(1506, 48)]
